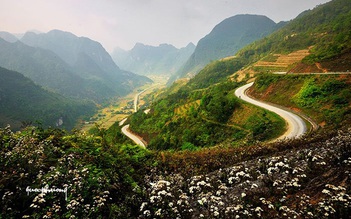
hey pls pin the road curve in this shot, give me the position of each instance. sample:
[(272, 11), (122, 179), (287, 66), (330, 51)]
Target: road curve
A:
[(296, 126), (135, 138)]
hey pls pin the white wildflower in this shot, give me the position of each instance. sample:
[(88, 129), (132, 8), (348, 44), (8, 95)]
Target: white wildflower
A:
[(216, 213), (147, 213), (158, 212)]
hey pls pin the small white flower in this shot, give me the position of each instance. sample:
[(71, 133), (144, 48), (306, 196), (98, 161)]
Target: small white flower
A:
[(254, 186), (326, 191), (158, 212), (147, 213), (216, 213), (200, 202), (258, 209)]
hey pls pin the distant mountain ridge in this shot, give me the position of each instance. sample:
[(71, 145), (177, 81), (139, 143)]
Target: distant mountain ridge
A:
[(164, 59), (8, 37), (44, 67), (226, 38), (87, 58)]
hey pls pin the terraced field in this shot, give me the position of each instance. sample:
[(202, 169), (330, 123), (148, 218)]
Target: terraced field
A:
[(273, 63), (182, 110), (283, 61)]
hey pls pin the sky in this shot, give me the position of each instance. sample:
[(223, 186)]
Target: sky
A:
[(122, 23)]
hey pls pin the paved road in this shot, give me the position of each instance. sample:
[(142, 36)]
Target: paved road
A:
[(136, 100), (296, 126), (135, 138)]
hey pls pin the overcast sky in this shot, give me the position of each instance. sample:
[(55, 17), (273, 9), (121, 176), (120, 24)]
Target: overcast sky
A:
[(122, 23)]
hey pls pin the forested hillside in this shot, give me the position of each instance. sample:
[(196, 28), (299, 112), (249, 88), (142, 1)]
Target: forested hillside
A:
[(165, 127), (89, 60), (326, 98), (226, 39), (23, 103), (325, 44), (193, 119), (323, 31)]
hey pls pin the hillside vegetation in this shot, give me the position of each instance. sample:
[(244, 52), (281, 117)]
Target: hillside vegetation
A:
[(165, 128), (323, 30), (307, 178), (191, 119), (24, 103), (321, 36), (226, 38), (326, 98)]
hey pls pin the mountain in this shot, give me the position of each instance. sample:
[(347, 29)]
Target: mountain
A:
[(8, 37), (88, 60), (317, 40), (22, 101), (226, 39), (164, 59), (203, 112), (44, 67)]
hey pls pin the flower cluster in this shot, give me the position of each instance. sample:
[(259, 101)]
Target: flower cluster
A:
[(37, 161), (279, 186)]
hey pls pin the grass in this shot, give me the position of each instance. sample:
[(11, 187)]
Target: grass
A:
[(324, 98)]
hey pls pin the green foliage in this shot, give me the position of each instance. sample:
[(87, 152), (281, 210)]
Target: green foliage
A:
[(263, 81), (191, 119), (326, 28), (23, 101), (218, 107), (100, 179), (326, 98), (331, 94), (265, 126), (215, 72), (189, 146)]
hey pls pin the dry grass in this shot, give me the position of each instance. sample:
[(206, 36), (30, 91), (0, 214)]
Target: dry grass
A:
[(284, 61)]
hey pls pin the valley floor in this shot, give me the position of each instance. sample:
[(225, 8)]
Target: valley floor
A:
[(121, 108)]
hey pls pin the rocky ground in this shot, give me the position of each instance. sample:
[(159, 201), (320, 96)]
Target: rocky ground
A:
[(308, 182)]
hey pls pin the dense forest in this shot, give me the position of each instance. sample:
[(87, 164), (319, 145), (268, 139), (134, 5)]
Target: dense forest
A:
[(24, 103)]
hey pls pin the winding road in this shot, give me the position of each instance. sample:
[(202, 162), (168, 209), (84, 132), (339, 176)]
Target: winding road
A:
[(296, 125), (135, 138), (125, 129)]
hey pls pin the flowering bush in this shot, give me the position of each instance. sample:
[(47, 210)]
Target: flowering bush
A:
[(95, 181), (311, 182)]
